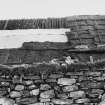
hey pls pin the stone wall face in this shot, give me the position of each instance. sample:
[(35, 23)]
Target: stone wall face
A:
[(81, 83), (63, 87)]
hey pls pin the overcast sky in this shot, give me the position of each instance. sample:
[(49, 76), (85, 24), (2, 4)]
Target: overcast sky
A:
[(10, 9)]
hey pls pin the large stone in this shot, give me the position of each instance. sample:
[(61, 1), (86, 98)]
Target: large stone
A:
[(38, 103), (103, 97), (44, 99), (63, 96), (66, 81), (47, 94), (55, 76), (34, 92), (102, 102), (15, 94), (28, 100), (31, 77), (70, 88), (42, 103), (25, 93), (3, 92), (51, 80), (5, 84), (84, 100), (28, 82), (62, 101), (32, 87), (6, 101), (98, 91), (19, 87), (45, 87), (77, 94), (93, 74)]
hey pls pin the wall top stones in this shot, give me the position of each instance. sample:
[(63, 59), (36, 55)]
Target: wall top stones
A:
[(49, 23)]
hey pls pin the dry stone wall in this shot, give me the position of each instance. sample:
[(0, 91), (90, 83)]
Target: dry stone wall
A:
[(52, 87), (27, 76)]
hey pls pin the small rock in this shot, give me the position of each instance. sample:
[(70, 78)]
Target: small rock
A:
[(47, 94), (84, 100), (62, 101), (45, 87), (19, 87), (77, 94), (66, 81), (44, 99), (15, 94), (34, 92), (70, 88)]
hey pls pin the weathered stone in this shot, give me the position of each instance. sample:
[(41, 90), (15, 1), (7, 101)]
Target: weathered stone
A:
[(103, 97), (84, 100), (66, 81), (55, 76), (28, 82), (62, 101), (93, 73), (16, 79), (93, 95), (42, 103), (28, 100), (74, 73), (38, 81), (38, 103), (47, 94), (34, 92), (77, 94), (62, 96), (19, 87), (45, 87), (102, 102), (31, 77), (6, 101), (51, 80), (92, 85), (25, 93), (32, 87), (99, 78), (15, 94), (70, 88), (5, 84), (44, 99), (3, 92), (98, 91)]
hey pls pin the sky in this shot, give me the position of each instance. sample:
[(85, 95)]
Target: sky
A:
[(13, 9)]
